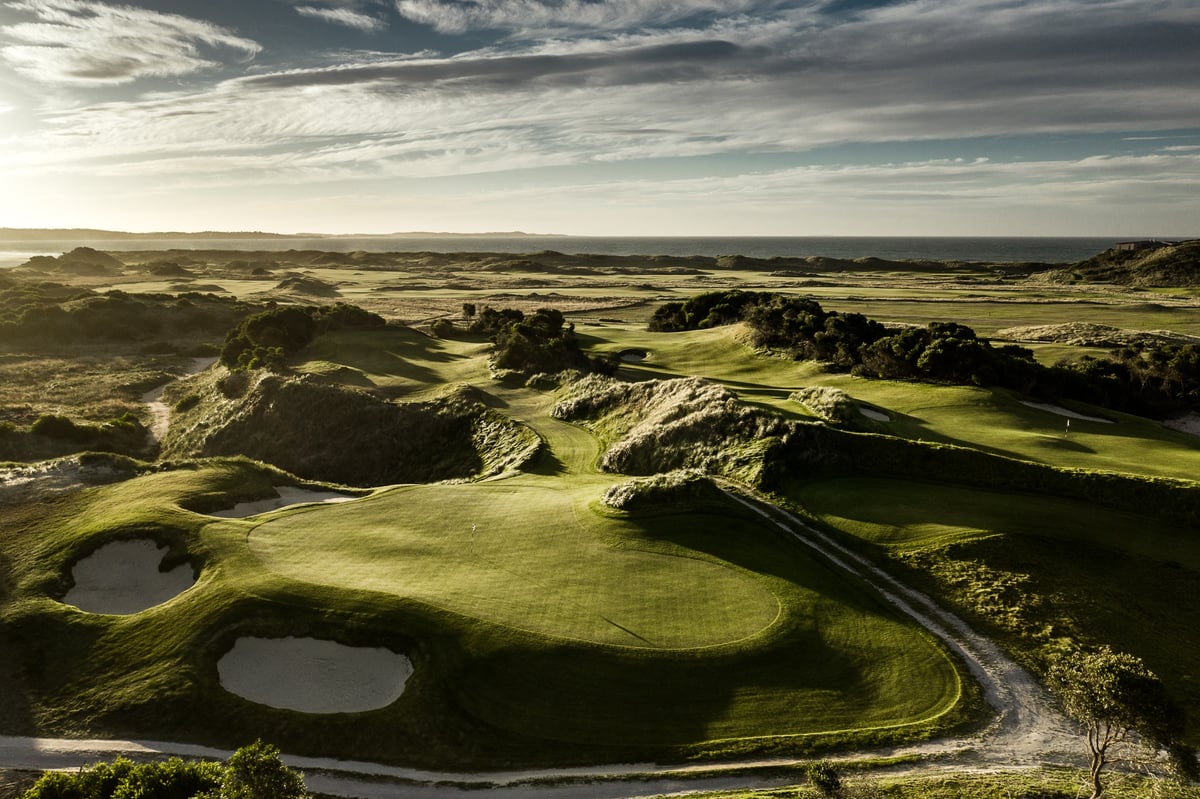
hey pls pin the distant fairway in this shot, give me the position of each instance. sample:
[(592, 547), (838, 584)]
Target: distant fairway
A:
[(538, 560)]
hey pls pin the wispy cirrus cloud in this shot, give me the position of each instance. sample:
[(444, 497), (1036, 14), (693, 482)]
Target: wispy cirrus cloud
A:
[(343, 16), (456, 16), (86, 42)]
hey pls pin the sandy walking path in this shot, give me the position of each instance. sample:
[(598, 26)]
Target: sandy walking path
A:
[(160, 414)]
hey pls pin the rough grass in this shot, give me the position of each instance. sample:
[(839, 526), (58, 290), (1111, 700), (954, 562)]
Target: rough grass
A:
[(1037, 572), (673, 424), (1044, 783), (333, 433)]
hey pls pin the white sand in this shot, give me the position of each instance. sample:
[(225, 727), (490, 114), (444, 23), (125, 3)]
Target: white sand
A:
[(871, 413), (313, 676), (288, 495), (1185, 424), (122, 578), (634, 357), (1061, 411)]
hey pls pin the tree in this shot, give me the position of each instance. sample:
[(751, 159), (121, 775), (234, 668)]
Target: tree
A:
[(1117, 700), (256, 772)]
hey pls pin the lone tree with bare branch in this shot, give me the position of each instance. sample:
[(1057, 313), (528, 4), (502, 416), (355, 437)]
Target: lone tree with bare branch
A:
[(1119, 701)]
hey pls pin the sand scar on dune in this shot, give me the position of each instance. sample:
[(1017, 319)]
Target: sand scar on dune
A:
[(312, 675), (123, 578)]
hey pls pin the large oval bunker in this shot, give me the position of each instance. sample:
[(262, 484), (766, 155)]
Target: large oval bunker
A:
[(312, 675)]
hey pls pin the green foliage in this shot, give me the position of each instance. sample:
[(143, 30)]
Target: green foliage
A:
[(265, 340), (824, 777), (255, 772), (1115, 697), (1149, 378), (442, 328), (47, 313), (123, 779), (541, 342), (60, 427)]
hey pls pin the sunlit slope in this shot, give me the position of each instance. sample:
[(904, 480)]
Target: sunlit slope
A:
[(991, 420), (1037, 571), (528, 557)]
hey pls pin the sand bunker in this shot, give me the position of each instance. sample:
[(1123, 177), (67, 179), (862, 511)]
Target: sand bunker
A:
[(288, 495), (1061, 411), (633, 356), (1185, 424), (313, 676), (871, 413), (122, 578)]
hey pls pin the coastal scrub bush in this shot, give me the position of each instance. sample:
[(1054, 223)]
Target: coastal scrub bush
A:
[(252, 772), (264, 340), (1151, 378)]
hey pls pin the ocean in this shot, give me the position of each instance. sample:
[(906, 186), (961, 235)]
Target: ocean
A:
[(990, 249)]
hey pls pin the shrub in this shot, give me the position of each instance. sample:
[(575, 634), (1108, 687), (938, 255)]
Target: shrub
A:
[(60, 428), (824, 777)]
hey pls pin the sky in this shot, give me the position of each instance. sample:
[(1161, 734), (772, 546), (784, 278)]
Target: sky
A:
[(623, 118)]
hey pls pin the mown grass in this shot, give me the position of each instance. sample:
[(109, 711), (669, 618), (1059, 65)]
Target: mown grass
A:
[(555, 633), (1036, 572)]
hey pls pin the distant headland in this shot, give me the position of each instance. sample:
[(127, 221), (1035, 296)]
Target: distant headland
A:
[(90, 234)]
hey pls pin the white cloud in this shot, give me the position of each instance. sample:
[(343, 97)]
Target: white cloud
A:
[(343, 16), (551, 15), (85, 42)]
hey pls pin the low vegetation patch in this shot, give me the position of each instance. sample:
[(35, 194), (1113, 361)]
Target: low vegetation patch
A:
[(663, 491), (1154, 379), (1041, 574), (662, 425), (328, 432), (266, 339)]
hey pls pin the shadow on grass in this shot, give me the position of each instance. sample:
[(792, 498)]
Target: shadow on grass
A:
[(547, 464)]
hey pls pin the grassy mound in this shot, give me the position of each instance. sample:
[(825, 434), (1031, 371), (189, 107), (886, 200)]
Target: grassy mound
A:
[(662, 425), (1166, 266), (331, 433)]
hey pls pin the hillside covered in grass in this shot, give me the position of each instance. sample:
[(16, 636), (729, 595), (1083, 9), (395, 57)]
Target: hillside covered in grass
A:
[(557, 556)]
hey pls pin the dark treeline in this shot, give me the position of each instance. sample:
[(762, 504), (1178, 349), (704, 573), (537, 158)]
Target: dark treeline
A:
[(265, 339), (542, 341), (1152, 380)]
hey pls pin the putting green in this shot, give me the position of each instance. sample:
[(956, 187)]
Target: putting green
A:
[(525, 556)]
